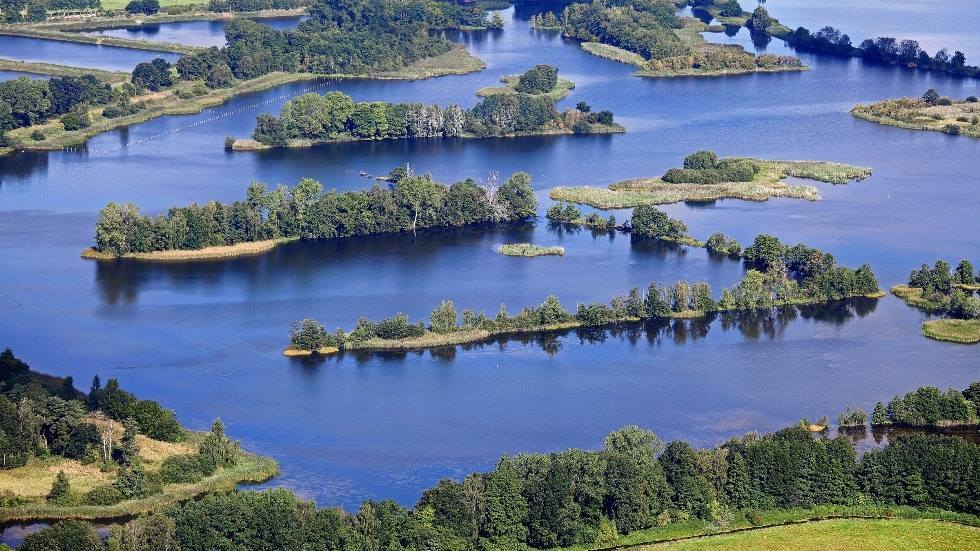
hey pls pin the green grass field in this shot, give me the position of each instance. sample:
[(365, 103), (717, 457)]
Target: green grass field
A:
[(842, 535)]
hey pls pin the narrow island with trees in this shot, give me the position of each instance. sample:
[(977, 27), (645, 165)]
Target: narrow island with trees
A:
[(333, 42), (651, 36), (104, 455), (335, 117), (705, 177), (778, 275), (540, 80), (930, 112), (266, 218), (947, 292), (529, 250)]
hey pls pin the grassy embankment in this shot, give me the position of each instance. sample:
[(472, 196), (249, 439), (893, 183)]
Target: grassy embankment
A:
[(529, 249), (838, 527), (125, 20), (50, 69), (53, 33), (456, 61), (949, 330), (690, 34), (559, 92), (767, 183), (33, 481), (121, 4), (916, 114)]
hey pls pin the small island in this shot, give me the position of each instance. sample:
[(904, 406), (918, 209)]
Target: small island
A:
[(778, 275), (652, 37), (335, 117), (930, 112), (705, 177), (106, 454), (951, 293), (542, 80), (529, 250), (266, 218)]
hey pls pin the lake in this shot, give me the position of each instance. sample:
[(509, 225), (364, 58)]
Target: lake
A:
[(205, 338)]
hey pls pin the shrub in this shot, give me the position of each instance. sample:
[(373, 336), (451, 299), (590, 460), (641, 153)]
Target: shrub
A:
[(149, 7), (604, 117), (931, 96), (581, 127), (971, 99), (77, 119), (60, 490), (700, 160), (107, 494), (181, 469), (952, 129), (583, 107), (37, 136), (754, 517)]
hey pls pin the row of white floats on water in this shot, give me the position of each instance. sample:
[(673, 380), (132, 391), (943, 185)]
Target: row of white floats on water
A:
[(201, 122)]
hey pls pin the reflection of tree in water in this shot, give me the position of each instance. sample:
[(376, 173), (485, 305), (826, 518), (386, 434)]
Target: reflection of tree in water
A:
[(760, 40), (22, 164), (732, 30)]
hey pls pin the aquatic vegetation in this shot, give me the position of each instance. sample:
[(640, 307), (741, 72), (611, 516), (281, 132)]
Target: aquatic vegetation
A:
[(529, 249), (954, 117), (953, 330)]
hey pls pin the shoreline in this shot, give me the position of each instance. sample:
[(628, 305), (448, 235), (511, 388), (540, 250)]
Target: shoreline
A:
[(245, 248), (252, 469), (56, 70), (243, 145), (457, 61), (462, 336)]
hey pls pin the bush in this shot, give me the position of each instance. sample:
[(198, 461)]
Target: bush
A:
[(77, 119), (971, 99), (754, 517), (701, 160), (952, 129), (181, 469), (37, 136), (604, 117), (149, 7), (106, 494)]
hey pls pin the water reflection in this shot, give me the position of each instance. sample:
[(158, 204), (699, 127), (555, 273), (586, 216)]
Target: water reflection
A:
[(768, 324)]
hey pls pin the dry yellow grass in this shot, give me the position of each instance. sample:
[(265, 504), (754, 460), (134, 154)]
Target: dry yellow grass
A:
[(916, 114), (34, 480), (207, 253), (953, 330)]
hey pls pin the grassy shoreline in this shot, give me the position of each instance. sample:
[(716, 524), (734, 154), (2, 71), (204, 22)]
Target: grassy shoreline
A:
[(767, 184), (125, 21), (560, 91), (52, 69), (457, 61), (63, 36), (953, 330), (249, 469), (245, 248)]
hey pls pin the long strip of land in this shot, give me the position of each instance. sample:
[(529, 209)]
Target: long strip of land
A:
[(959, 118), (55, 70)]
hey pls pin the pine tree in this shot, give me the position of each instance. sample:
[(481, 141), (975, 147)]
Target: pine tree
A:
[(737, 486), (129, 447), (60, 489)]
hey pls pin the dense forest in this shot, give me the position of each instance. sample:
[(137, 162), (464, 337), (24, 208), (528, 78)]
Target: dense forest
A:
[(777, 275), (635, 481), (307, 212), (336, 116)]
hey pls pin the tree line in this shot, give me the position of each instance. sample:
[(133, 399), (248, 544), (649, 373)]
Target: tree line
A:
[(306, 211), (635, 481), (336, 116), (645, 28), (930, 407), (883, 50), (17, 11), (777, 275)]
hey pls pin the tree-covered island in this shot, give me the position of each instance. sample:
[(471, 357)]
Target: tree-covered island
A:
[(705, 177), (537, 81), (948, 292), (651, 36), (265, 218), (529, 110), (778, 275)]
